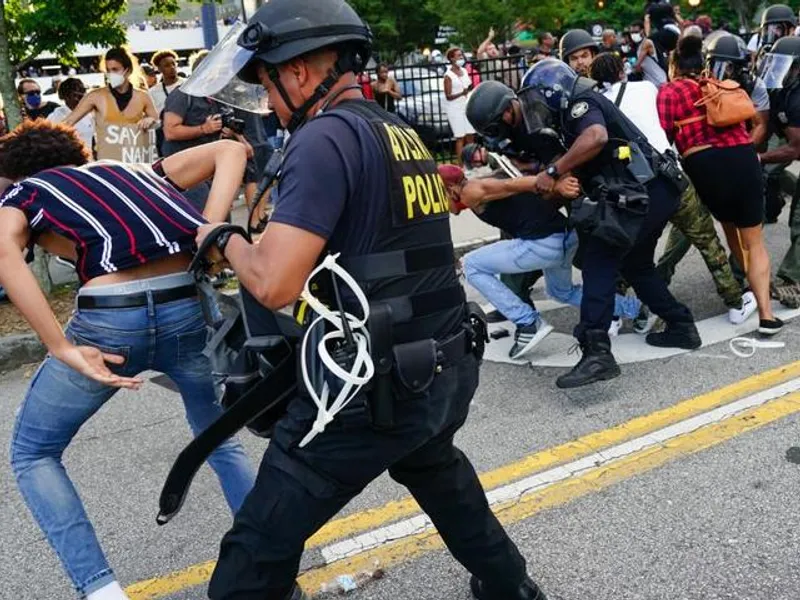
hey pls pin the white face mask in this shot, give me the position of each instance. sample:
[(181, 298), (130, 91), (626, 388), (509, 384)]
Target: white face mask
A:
[(636, 37), (461, 62), (625, 48), (115, 80)]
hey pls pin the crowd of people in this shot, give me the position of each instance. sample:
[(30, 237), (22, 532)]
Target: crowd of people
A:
[(640, 130), (590, 154)]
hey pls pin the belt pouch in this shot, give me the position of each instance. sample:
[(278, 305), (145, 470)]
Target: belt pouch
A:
[(415, 365)]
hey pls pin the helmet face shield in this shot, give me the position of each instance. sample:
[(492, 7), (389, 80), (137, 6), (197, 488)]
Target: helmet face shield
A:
[(772, 33), (535, 112), (723, 69), (217, 77), (774, 69)]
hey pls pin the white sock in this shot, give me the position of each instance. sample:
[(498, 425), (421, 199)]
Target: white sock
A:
[(111, 591)]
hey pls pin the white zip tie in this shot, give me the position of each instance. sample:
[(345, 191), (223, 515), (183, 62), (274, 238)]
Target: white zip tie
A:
[(748, 346), (363, 368)]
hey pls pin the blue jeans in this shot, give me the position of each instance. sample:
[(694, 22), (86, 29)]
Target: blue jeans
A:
[(553, 255), (166, 337)]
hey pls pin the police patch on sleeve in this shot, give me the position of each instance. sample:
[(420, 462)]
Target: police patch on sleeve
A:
[(579, 109)]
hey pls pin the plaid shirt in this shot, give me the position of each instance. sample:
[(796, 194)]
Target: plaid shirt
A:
[(676, 102)]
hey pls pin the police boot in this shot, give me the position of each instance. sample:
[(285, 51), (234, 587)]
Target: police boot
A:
[(297, 593), (596, 364), (527, 590), (676, 335)]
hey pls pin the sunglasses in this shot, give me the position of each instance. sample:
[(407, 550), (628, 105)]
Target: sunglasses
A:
[(33, 93)]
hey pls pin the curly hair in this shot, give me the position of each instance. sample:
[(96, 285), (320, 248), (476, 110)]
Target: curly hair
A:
[(38, 145), (161, 55), (606, 67), (70, 85)]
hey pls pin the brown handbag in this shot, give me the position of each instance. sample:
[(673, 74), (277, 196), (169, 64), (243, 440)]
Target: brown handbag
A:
[(725, 101)]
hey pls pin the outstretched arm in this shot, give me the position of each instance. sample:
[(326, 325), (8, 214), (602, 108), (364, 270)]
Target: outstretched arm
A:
[(195, 165)]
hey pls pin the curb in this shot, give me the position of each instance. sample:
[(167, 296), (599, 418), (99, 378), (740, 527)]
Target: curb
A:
[(18, 350)]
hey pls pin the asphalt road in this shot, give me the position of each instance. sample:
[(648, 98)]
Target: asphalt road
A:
[(721, 523)]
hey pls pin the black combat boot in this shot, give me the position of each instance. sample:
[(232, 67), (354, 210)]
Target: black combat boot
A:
[(297, 593), (596, 364), (527, 590), (676, 335)]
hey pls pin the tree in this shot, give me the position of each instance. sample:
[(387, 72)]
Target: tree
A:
[(398, 25)]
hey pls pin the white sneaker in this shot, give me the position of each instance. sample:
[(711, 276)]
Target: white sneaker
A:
[(616, 325), (645, 322), (528, 336), (737, 316)]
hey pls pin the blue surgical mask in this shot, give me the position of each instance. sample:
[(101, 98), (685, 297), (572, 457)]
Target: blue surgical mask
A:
[(461, 62), (33, 100)]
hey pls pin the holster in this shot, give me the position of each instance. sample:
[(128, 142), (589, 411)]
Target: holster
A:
[(477, 329), (667, 164), (381, 397)]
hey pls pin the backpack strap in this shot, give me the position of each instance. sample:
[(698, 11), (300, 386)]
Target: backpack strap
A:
[(683, 122), (621, 93)]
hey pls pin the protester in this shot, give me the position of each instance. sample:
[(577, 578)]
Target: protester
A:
[(190, 121), (385, 89), (72, 92), (609, 42), (130, 233), (30, 95), (692, 223), (166, 61), (150, 75), (546, 46), (457, 87), (723, 165), (541, 240), (119, 106)]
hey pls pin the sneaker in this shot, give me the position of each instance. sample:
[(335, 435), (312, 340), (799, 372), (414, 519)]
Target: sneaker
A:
[(645, 321), (616, 325), (788, 294), (528, 336), (737, 316), (770, 327)]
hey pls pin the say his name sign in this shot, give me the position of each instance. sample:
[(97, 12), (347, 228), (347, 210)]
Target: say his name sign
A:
[(126, 143)]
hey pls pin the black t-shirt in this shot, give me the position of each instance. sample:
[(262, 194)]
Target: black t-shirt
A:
[(42, 112), (524, 216), (193, 111)]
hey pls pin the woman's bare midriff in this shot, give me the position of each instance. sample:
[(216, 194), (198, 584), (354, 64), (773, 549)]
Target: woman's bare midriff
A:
[(168, 265)]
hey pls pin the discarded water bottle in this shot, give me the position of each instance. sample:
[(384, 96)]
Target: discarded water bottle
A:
[(344, 584)]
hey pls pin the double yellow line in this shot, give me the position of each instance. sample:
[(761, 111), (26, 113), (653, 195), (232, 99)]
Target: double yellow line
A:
[(556, 494)]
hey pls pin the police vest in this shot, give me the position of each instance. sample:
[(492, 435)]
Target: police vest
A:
[(779, 102), (613, 160), (524, 216), (411, 267)]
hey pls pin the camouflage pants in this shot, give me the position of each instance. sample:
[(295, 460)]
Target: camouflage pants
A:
[(693, 225), (790, 266)]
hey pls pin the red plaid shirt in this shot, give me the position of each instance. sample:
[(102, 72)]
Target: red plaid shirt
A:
[(676, 102)]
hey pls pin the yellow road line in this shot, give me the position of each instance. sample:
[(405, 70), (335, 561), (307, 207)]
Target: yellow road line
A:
[(198, 574), (565, 491)]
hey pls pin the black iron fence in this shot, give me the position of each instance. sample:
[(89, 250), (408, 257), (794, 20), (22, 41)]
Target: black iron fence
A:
[(424, 105)]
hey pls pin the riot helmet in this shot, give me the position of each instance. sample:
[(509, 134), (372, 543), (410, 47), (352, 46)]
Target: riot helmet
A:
[(486, 106), (577, 49), (780, 67), (282, 30), (726, 56), (777, 21)]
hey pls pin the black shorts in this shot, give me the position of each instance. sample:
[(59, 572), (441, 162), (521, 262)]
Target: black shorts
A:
[(729, 183)]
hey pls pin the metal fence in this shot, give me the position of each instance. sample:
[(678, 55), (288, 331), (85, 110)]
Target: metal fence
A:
[(424, 105)]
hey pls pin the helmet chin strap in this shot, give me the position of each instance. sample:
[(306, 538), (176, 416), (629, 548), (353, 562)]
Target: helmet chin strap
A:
[(344, 64)]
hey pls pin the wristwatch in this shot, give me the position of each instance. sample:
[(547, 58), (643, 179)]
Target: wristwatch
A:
[(552, 171)]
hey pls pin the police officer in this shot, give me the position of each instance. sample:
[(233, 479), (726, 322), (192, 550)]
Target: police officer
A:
[(357, 181), (577, 48), (780, 71), (777, 21), (607, 152)]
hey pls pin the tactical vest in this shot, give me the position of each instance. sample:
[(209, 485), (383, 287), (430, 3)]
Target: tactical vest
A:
[(411, 267), (524, 216), (779, 101), (613, 160)]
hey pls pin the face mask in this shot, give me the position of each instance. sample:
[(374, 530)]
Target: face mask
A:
[(625, 48), (636, 37), (461, 62), (115, 80), (33, 100)]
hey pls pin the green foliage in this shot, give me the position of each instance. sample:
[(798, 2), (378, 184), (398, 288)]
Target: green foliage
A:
[(398, 25), (57, 26)]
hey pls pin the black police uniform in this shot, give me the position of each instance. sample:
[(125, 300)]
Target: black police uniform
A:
[(602, 262), (404, 260)]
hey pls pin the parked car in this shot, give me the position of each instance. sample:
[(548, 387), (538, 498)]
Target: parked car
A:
[(422, 105)]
